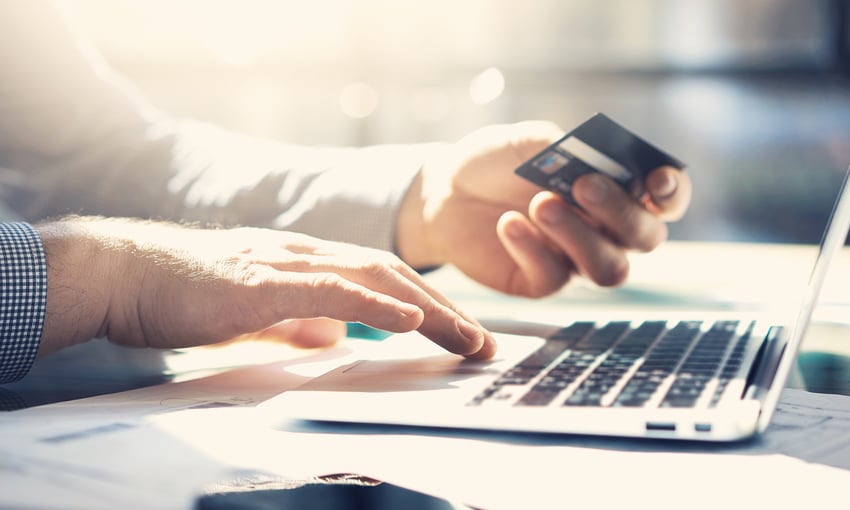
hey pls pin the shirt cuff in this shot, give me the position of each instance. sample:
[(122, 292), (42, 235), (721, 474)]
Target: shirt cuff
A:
[(23, 298)]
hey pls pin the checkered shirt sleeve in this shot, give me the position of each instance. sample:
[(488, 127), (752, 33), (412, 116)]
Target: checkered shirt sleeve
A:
[(23, 298)]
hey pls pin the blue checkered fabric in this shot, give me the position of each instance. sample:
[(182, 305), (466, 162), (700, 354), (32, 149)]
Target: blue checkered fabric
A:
[(23, 298)]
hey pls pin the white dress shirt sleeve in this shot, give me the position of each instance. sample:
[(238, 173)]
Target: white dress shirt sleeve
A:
[(76, 138)]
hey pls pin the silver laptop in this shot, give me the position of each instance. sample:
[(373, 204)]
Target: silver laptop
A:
[(710, 378)]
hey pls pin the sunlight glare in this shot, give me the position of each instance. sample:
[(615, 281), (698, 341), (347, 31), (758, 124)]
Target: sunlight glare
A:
[(358, 100), (487, 86)]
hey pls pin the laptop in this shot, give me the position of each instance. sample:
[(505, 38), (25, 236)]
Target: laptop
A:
[(704, 378)]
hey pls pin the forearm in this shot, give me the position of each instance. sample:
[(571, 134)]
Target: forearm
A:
[(80, 276), (342, 194)]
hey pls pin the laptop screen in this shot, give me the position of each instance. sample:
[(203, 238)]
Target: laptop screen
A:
[(833, 239)]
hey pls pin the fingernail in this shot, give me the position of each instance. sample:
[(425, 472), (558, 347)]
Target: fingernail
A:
[(470, 331), (408, 309), (593, 189), (489, 337), (488, 348), (663, 188)]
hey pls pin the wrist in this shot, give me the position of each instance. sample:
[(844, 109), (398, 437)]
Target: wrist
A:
[(413, 241), (80, 277)]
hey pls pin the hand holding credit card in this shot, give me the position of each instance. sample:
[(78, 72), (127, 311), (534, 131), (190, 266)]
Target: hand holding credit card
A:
[(597, 145)]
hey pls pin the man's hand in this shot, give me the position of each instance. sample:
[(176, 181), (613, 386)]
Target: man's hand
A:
[(468, 208), (147, 284)]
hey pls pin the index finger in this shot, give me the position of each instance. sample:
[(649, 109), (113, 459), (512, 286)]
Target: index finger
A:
[(387, 279)]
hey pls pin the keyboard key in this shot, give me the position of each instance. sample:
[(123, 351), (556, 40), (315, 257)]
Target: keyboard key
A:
[(660, 363), (583, 355), (622, 357), (732, 366), (536, 362), (700, 366)]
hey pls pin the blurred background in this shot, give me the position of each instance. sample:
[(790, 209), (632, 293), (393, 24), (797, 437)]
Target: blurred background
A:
[(752, 94)]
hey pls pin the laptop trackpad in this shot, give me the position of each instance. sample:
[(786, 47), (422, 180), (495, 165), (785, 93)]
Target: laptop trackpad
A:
[(401, 375)]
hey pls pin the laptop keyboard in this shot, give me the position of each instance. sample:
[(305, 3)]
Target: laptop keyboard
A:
[(617, 365)]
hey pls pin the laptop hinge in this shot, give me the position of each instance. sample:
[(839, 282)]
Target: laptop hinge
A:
[(764, 368)]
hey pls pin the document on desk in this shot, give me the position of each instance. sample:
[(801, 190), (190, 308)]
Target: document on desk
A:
[(110, 452), (812, 427)]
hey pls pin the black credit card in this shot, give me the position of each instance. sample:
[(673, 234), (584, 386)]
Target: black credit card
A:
[(597, 145)]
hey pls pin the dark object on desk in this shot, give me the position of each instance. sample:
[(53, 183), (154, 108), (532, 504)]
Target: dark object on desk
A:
[(338, 495), (825, 372)]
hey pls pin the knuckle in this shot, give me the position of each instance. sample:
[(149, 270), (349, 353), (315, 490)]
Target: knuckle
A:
[(387, 260), (243, 272), (376, 269), (326, 282), (380, 265), (649, 236)]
